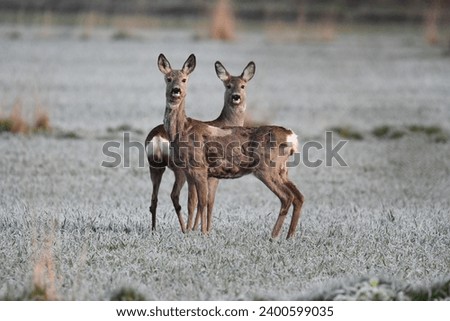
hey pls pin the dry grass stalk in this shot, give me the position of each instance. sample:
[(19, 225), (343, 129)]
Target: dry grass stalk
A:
[(41, 119), (18, 123), (301, 15), (328, 28), (47, 23), (431, 24), (89, 21), (223, 21), (137, 21), (280, 31), (44, 273), (302, 30)]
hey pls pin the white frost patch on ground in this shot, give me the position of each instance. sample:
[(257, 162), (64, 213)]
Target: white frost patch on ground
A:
[(386, 214)]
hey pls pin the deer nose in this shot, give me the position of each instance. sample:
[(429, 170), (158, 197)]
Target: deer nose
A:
[(236, 97), (176, 90)]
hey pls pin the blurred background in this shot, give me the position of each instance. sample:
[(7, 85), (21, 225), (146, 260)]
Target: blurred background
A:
[(224, 19), (75, 74), (54, 50)]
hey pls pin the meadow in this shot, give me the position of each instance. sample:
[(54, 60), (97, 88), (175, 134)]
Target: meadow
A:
[(378, 228)]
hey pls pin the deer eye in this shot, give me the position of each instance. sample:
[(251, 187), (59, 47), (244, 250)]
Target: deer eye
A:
[(228, 86), (184, 80), (242, 87), (169, 79)]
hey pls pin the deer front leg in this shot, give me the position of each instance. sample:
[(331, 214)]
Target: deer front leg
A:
[(212, 187), (192, 204), (201, 184), (197, 218), (180, 179), (156, 174)]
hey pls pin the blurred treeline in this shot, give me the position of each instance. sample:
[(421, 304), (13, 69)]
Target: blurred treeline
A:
[(352, 11)]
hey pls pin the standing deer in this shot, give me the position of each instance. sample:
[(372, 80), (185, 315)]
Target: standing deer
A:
[(157, 141), (203, 151)]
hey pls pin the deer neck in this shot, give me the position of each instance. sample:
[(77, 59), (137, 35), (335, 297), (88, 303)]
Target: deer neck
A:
[(232, 116), (174, 119)]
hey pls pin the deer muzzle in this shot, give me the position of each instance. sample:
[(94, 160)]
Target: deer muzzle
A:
[(176, 92)]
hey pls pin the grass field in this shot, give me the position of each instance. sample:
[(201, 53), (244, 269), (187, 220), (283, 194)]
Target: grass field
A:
[(376, 229)]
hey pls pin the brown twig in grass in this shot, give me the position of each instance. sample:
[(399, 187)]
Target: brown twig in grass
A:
[(44, 274), (18, 123), (41, 120), (223, 21), (44, 277), (431, 23)]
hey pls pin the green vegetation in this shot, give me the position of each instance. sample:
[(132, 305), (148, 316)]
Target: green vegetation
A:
[(428, 130), (127, 294), (14, 35), (123, 128), (387, 132), (347, 132), (37, 294), (437, 291), (382, 131), (380, 289), (16, 123), (396, 134), (122, 35), (5, 125), (68, 135), (441, 138), (434, 132)]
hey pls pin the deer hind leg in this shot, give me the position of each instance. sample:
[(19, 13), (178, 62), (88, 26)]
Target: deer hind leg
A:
[(192, 204), (275, 183), (298, 200), (180, 179), (156, 174), (298, 203)]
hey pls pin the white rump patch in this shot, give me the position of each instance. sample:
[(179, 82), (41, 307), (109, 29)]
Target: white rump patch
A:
[(218, 132), (158, 147), (292, 139)]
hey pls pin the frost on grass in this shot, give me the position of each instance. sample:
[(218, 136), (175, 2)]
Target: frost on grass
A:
[(377, 229), (378, 289)]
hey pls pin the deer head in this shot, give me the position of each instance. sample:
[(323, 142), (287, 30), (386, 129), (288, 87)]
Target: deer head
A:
[(235, 94), (176, 80)]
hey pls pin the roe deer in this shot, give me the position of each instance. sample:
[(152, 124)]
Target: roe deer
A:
[(203, 152), (157, 141)]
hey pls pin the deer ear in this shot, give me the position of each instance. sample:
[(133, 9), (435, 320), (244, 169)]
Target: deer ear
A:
[(221, 72), (163, 64), (189, 65), (249, 71)]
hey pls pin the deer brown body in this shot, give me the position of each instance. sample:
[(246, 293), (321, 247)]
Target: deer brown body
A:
[(157, 144), (204, 152)]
